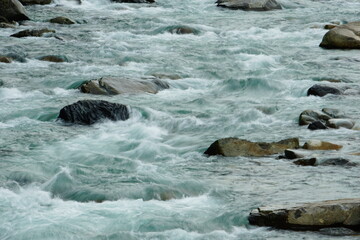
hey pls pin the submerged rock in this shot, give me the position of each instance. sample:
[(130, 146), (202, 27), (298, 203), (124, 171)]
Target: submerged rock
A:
[(321, 145), (134, 1), (32, 33), (5, 59), (322, 90), (113, 86), (346, 36), (310, 216), (35, 2), (337, 162), (250, 5), (306, 162), (12, 10), (54, 58), (232, 147), (91, 111), (182, 30), (62, 20)]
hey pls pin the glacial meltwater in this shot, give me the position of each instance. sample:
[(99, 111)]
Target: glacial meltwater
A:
[(241, 74)]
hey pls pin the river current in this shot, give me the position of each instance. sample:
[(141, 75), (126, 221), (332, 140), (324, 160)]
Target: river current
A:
[(243, 74)]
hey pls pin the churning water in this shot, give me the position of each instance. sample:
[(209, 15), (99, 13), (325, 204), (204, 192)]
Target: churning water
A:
[(242, 74)]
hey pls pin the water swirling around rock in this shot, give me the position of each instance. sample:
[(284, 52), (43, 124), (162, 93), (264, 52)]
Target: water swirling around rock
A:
[(242, 74)]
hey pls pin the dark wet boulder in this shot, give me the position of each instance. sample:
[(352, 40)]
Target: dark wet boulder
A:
[(113, 86), (340, 122), (12, 10), (32, 33), (35, 2), (322, 90), (309, 116), (4, 23), (310, 216), (305, 162), (346, 36), (91, 111), (62, 20), (249, 5), (317, 125), (5, 59), (54, 58), (232, 147), (295, 153), (134, 1)]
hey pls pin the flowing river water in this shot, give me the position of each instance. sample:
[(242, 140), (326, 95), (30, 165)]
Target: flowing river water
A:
[(243, 74)]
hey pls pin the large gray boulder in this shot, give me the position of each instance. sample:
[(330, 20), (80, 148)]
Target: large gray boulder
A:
[(310, 216), (88, 112), (113, 86), (249, 5), (233, 147), (346, 36), (12, 10)]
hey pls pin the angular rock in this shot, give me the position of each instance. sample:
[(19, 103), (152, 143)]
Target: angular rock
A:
[(306, 162), (134, 1), (88, 112), (293, 154), (317, 125), (322, 90), (32, 33), (346, 36), (340, 122), (53, 58), (12, 10), (62, 20), (113, 86), (309, 116), (330, 26), (249, 5), (5, 59), (35, 2), (321, 145), (310, 216), (232, 147)]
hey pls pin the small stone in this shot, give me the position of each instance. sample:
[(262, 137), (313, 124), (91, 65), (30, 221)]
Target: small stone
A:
[(53, 58), (249, 5), (330, 26), (62, 20), (5, 59), (293, 154)]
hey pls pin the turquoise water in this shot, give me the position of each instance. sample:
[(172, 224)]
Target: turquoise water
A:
[(243, 74)]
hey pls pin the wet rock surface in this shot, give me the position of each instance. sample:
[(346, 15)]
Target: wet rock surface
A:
[(32, 33), (322, 90), (249, 5), (12, 10), (116, 85), (310, 216), (346, 36), (232, 147), (88, 112)]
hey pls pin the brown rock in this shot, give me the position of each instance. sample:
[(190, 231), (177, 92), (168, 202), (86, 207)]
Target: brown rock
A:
[(53, 58), (32, 33), (310, 216), (346, 36), (320, 145), (306, 162), (232, 147), (330, 26), (5, 59), (62, 20)]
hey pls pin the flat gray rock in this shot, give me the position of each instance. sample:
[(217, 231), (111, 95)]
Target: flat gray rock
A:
[(250, 5)]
